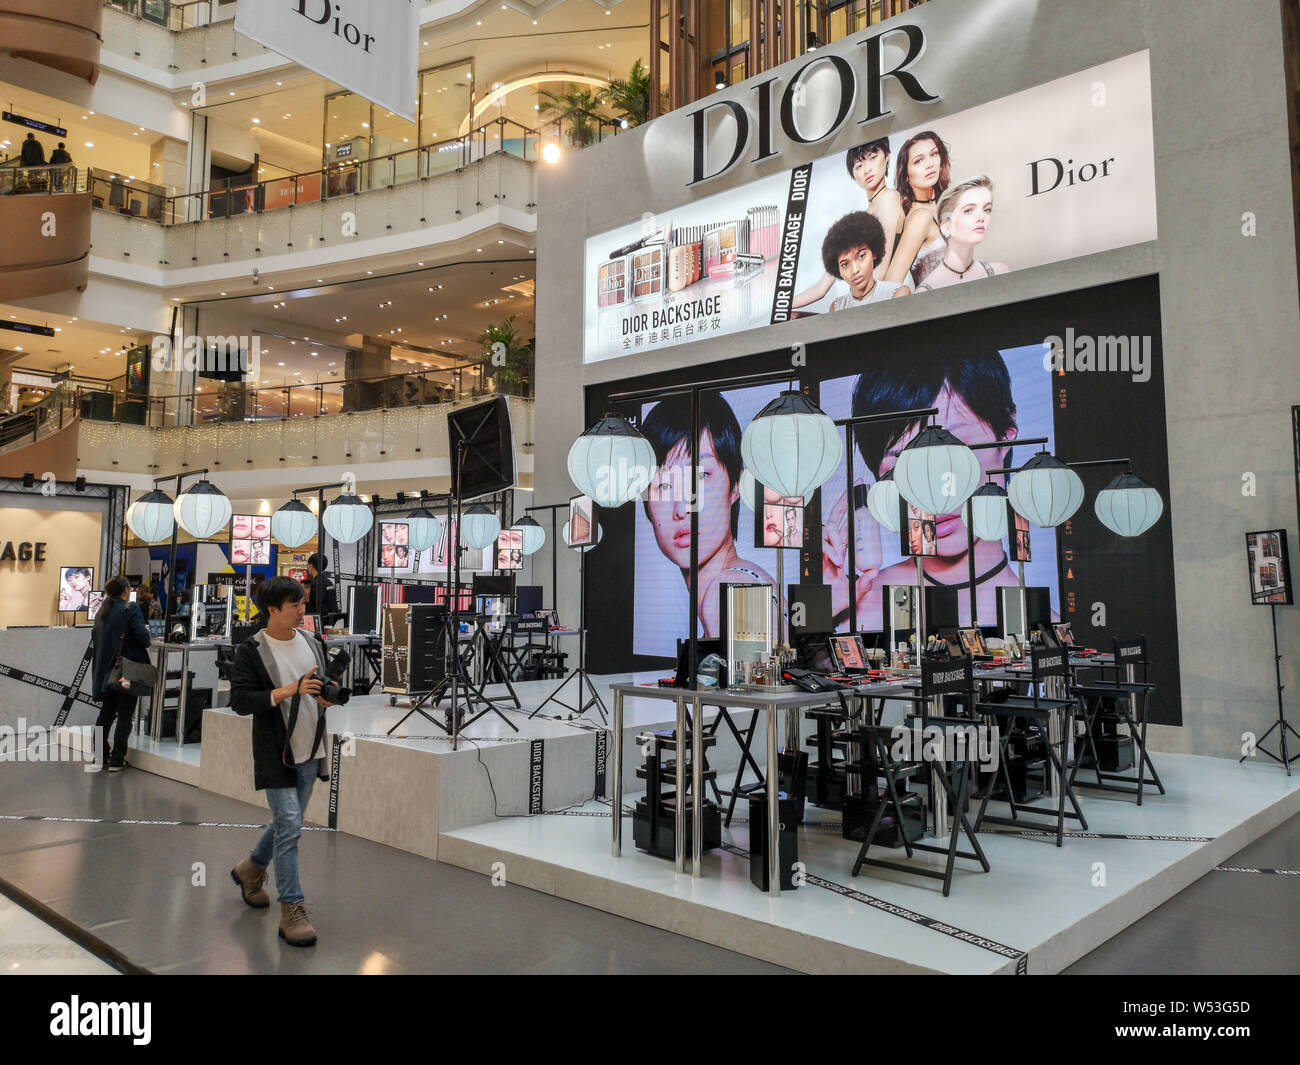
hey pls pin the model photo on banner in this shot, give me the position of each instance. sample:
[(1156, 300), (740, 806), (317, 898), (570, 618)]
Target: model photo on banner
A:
[(1033, 178)]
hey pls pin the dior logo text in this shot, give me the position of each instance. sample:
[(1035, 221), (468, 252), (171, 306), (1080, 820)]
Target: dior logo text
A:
[(309, 8), (831, 110), (1046, 175), (950, 676), (1127, 651)]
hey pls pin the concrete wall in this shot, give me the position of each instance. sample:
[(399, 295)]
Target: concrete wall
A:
[(1230, 321)]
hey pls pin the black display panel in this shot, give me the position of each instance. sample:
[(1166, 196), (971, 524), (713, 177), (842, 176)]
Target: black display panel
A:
[(992, 374)]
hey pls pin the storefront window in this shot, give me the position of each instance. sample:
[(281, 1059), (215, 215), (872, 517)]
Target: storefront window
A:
[(347, 141), (446, 95)]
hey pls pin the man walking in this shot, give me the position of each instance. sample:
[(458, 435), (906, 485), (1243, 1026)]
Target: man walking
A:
[(276, 679)]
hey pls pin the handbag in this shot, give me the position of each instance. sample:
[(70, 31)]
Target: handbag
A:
[(128, 677)]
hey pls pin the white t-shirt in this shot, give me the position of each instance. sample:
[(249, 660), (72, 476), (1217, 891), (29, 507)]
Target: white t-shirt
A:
[(884, 290), (293, 658)]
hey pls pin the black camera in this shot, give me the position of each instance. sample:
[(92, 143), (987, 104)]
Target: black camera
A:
[(333, 692)]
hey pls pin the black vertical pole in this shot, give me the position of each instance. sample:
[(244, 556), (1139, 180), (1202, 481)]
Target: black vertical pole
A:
[(970, 555), (852, 530), (171, 571), (694, 582), (555, 573)]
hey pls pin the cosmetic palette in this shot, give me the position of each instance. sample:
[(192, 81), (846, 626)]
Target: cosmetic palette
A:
[(648, 272), (612, 286)]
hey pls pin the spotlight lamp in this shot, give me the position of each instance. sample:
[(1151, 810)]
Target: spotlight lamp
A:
[(882, 501), (611, 462), (936, 472), (719, 81), (1045, 490), (600, 535), (479, 527), (423, 529), (532, 534), (1128, 506), (150, 517), (988, 513), (202, 510), (293, 524), (347, 519), (791, 446)]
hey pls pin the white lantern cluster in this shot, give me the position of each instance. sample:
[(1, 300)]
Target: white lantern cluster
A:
[(936, 472), (293, 524), (791, 446), (479, 527), (202, 510), (1045, 490), (988, 513), (347, 519), (1128, 506), (423, 529), (611, 462), (532, 534)]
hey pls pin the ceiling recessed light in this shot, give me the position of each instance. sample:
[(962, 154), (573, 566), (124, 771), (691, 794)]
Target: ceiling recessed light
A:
[(257, 121), (90, 144)]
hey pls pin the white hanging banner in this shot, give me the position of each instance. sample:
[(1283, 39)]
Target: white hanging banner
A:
[(368, 46)]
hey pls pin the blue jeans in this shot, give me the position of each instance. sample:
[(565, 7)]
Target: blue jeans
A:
[(280, 840)]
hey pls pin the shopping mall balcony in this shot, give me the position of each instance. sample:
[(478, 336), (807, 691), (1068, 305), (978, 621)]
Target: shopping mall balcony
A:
[(63, 34), (45, 216)]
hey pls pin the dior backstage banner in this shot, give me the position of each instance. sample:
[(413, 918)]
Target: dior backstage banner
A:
[(1058, 171), (368, 46)]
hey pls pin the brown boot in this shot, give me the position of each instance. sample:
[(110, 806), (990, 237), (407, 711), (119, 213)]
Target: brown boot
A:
[(295, 928), (250, 879)]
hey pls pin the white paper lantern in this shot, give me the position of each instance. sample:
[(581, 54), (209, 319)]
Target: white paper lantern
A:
[(988, 513), (937, 472), (1128, 506), (1045, 490), (347, 519), (600, 535), (749, 489), (150, 517), (791, 446), (293, 524), (882, 501), (202, 510), (479, 527), (423, 529), (533, 534), (611, 462)]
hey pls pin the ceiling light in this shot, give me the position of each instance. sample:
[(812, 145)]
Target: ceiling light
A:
[(257, 121), (89, 144)]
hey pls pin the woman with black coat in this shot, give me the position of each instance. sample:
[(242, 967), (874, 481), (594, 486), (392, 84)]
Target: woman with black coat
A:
[(119, 629)]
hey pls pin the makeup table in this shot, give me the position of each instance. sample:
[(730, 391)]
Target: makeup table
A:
[(772, 703)]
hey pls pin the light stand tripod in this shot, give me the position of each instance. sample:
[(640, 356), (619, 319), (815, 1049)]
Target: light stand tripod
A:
[(580, 674), (1282, 725)]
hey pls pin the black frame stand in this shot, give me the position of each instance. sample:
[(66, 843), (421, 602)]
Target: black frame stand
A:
[(1282, 725), (580, 674)]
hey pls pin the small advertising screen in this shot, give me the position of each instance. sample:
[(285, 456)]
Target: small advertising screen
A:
[(250, 540), (1270, 567), (510, 549), (76, 585)]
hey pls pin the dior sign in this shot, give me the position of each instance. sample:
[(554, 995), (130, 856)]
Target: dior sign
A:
[(814, 103)]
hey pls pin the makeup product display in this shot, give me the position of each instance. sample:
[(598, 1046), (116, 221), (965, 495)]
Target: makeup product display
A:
[(685, 266), (745, 618), (648, 272), (613, 288)]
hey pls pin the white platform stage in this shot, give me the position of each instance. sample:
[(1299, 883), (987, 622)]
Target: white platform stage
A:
[(1039, 909)]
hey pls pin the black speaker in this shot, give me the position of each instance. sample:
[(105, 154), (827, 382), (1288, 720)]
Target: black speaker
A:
[(482, 449), (787, 840)]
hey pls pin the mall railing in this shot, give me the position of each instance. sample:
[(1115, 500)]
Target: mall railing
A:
[(176, 16), (347, 177), (41, 419), (19, 180), (237, 403)]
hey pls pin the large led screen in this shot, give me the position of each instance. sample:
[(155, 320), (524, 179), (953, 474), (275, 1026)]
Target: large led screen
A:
[(1058, 171), (997, 376)]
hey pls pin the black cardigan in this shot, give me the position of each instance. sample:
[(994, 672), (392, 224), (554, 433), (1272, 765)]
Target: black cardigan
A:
[(118, 625), (250, 694)]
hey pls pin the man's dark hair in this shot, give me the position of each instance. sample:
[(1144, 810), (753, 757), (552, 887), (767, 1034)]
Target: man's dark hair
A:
[(318, 560), (851, 157), (85, 571), (114, 588), (855, 230), (981, 380), (669, 425), (278, 591)]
